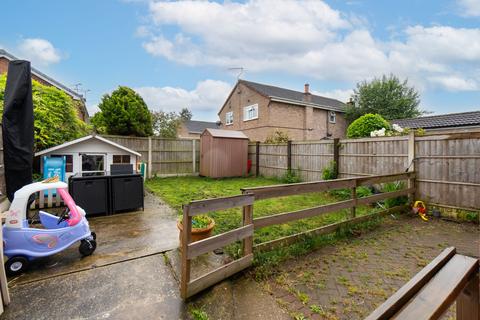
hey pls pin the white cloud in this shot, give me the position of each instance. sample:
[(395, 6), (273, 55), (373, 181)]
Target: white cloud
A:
[(308, 38), (469, 8), (39, 51), (207, 96), (342, 95), (455, 83)]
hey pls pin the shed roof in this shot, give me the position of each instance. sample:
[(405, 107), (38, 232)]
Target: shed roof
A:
[(69, 143), (231, 134), (462, 119)]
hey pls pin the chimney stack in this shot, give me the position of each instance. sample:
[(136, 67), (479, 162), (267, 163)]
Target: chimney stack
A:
[(307, 88)]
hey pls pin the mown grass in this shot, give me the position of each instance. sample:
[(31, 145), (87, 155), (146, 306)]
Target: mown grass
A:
[(177, 191)]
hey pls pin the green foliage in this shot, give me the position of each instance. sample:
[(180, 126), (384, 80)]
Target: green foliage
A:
[(366, 124), (345, 194), (291, 176), (330, 172), (277, 137), (165, 124), (55, 115), (394, 186), (185, 114), (199, 314), (124, 113), (198, 222), (387, 96)]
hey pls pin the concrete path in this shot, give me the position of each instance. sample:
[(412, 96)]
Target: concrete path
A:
[(120, 237), (131, 276)]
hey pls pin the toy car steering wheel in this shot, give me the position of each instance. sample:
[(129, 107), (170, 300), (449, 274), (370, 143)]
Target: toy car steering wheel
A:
[(64, 216)]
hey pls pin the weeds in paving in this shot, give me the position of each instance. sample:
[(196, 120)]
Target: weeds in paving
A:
[(199, 314)]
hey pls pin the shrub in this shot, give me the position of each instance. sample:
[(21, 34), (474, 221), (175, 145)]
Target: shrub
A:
[(55, 115), (277, 137), (365, 124), (291, 176), (330, 172), (125, 113)]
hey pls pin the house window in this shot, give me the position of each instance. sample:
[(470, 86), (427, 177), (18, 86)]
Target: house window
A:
[(250, 112), (69, 161), (229, 118), (332, 117), (118, 158), (93, 162)]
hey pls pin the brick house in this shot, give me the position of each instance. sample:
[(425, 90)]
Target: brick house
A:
[(259, 110), (78, 99), (193, 129)]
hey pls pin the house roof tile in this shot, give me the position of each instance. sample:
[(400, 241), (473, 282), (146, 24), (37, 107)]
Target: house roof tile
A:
[(194, 126), (296, 96), (462, 119)]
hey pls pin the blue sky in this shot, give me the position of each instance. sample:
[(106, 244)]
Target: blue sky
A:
[(178, 54)]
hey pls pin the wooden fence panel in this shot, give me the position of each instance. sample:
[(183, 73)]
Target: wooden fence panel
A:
[(448, 170), (273, 160), (168, 156), (310, 158), (372, 156)]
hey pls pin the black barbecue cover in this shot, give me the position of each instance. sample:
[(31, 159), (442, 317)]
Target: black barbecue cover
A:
[(17, 127)]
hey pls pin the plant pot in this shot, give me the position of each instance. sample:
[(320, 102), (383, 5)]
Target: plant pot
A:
[(197, 233)]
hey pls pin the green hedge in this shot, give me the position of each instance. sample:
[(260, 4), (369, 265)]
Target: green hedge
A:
[(365, 124), (55, 116)]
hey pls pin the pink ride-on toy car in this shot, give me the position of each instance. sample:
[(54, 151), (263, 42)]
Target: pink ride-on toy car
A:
[(22, 243)]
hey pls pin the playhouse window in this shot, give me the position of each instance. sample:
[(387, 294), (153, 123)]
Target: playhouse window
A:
[(93, 162), (69, 161), (119, 158)]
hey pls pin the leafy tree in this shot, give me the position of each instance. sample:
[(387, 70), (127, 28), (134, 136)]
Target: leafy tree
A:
[(387, 96), (366, 124), (55, 115), (165, 124), (185, 114), (124, 113)]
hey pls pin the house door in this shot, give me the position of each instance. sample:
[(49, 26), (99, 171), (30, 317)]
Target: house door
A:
[(93, 164)]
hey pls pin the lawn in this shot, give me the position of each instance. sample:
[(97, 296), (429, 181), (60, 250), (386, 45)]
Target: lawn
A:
[(180, 190)]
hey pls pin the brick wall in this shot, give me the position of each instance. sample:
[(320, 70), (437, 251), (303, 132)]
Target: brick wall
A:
[(301, 123)]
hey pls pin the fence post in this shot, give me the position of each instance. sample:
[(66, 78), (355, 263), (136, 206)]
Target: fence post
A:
[(289, 155), (353, 210), (411, 163), (149, 157), (257, 158), (247, 219), (194, 154), (467, 301), (336, 155), (186, 238)]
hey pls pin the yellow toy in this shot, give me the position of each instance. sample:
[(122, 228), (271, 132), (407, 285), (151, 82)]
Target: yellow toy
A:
[(420, 208)]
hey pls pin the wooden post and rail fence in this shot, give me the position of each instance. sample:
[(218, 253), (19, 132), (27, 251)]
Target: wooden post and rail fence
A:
[(245, 233)]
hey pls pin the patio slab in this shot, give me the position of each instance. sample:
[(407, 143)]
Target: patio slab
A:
[(120, 237), (350, 279)]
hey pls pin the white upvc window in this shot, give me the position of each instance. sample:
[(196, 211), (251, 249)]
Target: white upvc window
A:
[(332, 117), (250, 112), (229, 118)]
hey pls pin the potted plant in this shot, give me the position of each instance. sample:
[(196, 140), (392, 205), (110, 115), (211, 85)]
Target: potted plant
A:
[(202, 228)]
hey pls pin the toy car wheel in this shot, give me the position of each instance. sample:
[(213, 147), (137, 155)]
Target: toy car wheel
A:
[(16, 265), (87, 247), (94, 235)]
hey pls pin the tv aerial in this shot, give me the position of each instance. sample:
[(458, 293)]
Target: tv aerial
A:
[(240, 71)]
